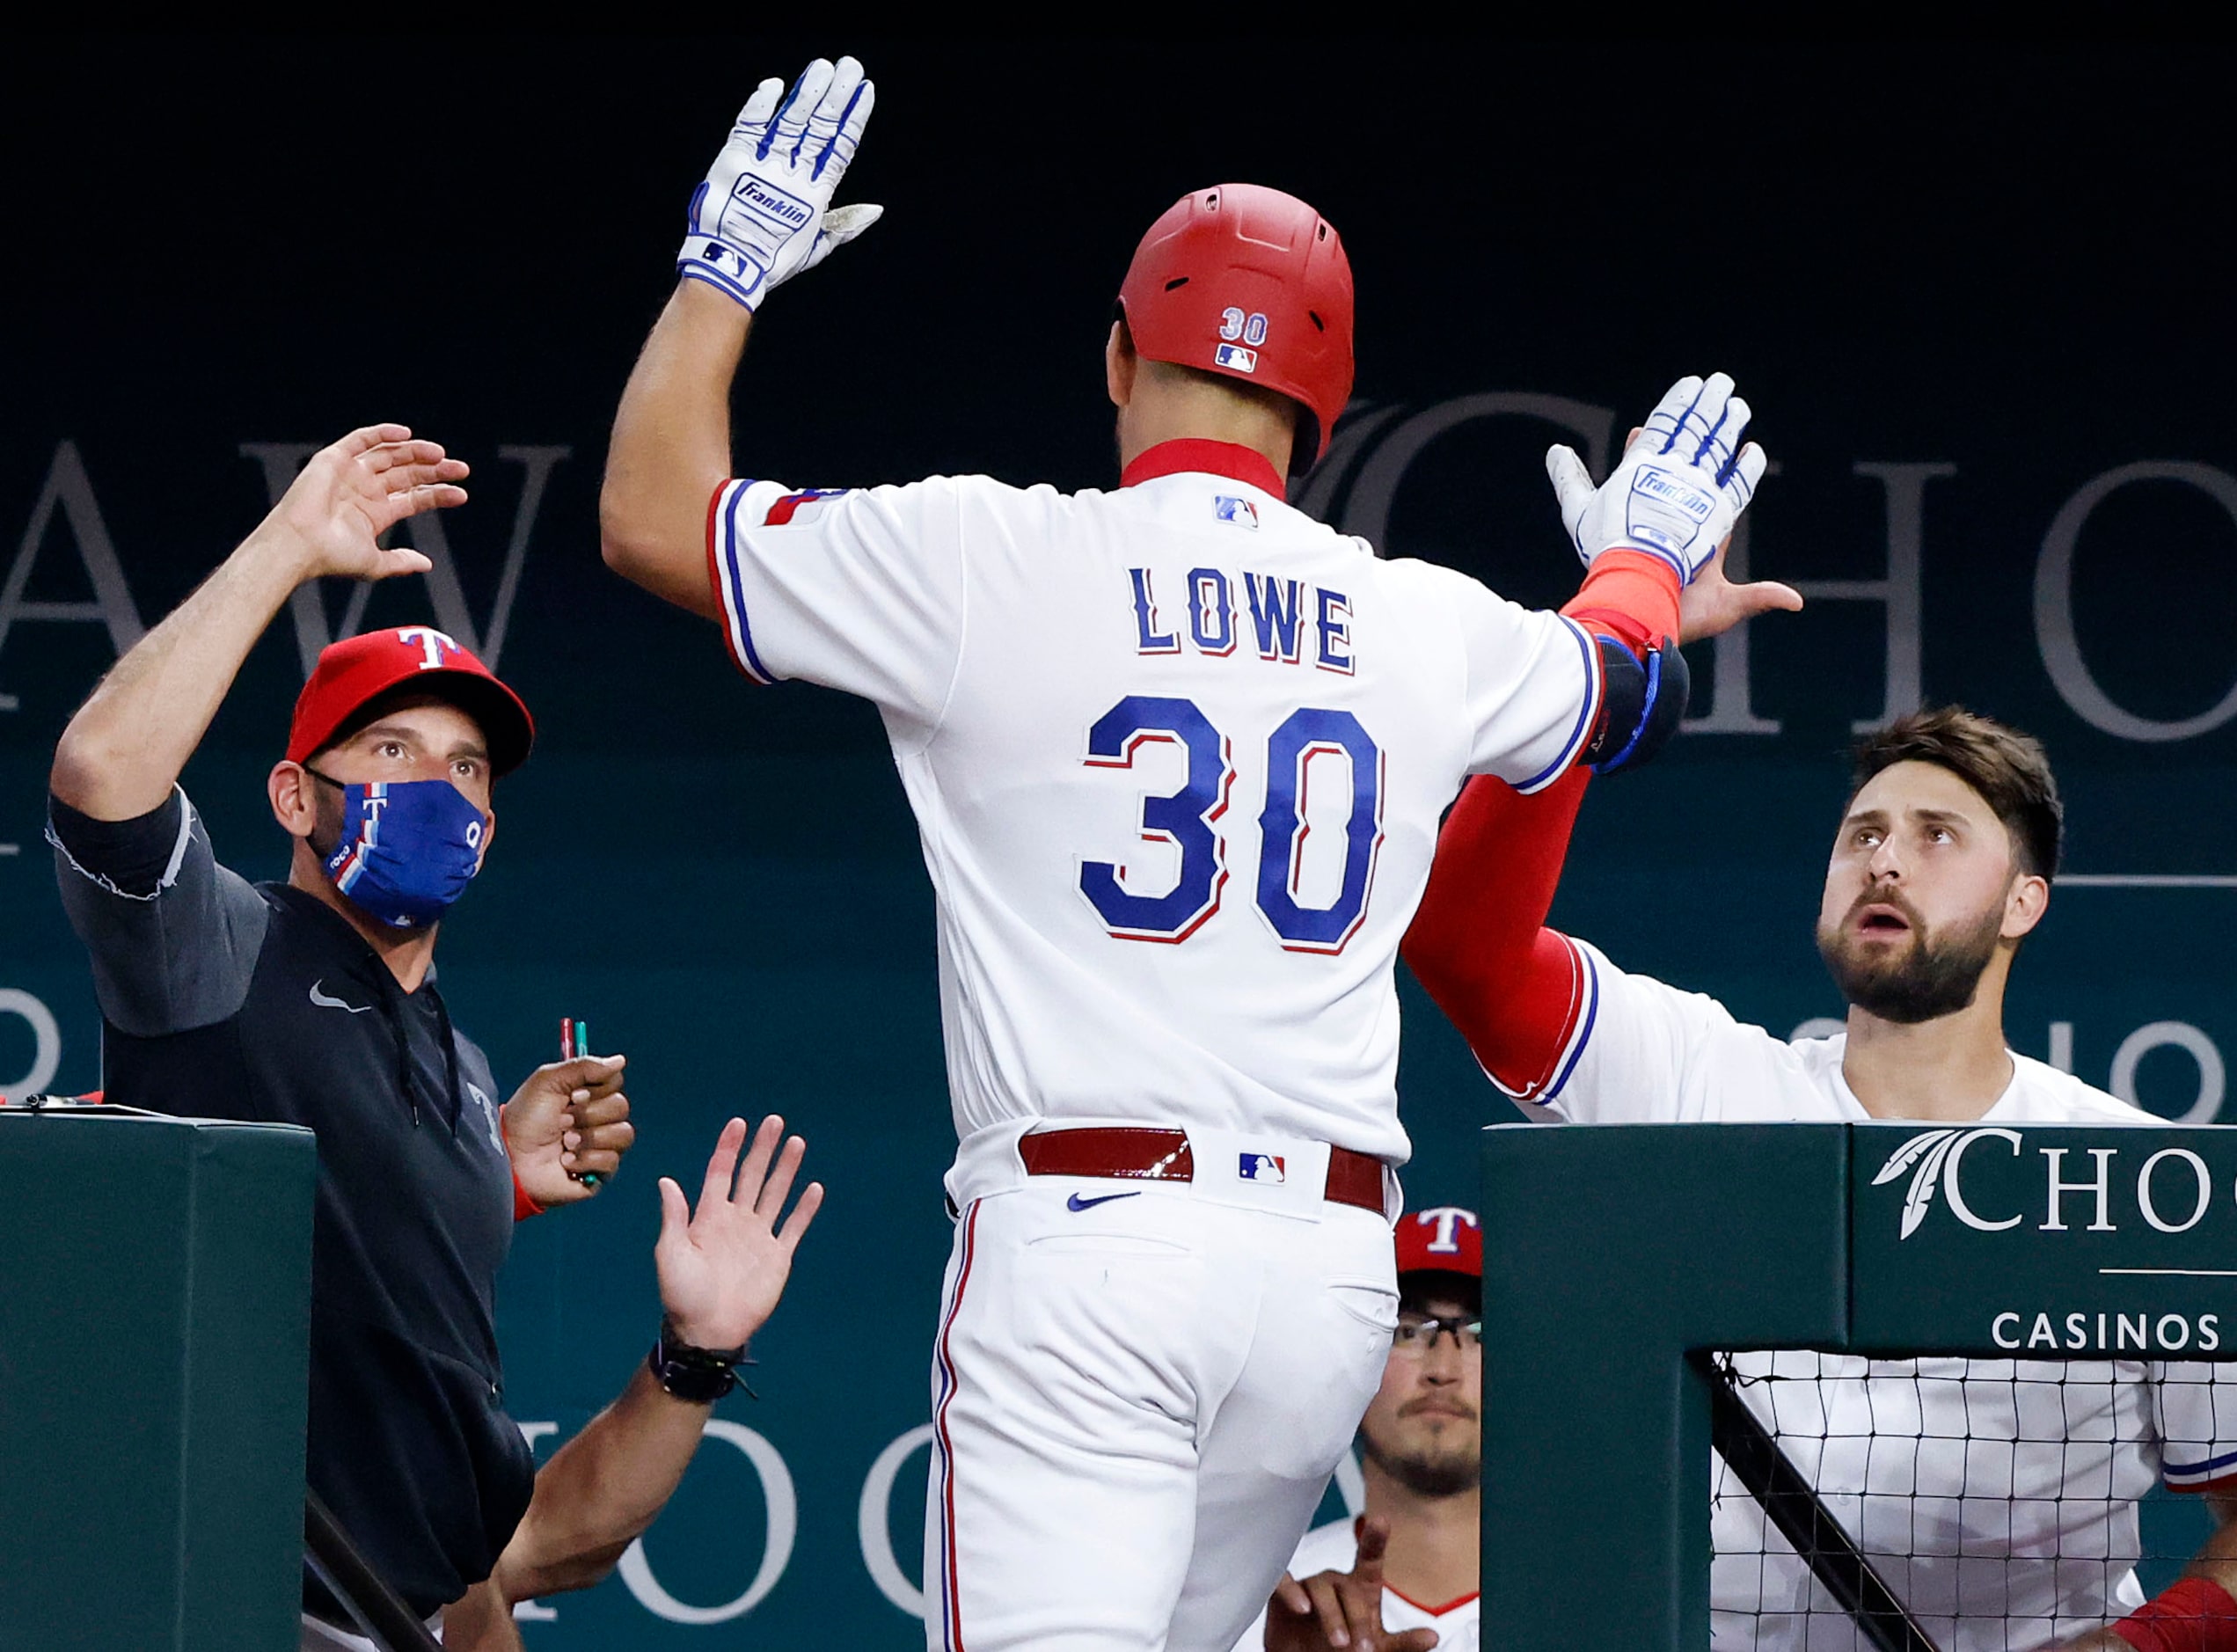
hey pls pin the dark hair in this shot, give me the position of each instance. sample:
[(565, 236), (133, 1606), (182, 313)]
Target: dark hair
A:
[(2008, 768), (1419, 1286)]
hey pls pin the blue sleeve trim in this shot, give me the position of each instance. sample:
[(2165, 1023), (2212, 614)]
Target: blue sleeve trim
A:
[(1588, 713), (2211, 1465), (1584, 1031), (742, 630)]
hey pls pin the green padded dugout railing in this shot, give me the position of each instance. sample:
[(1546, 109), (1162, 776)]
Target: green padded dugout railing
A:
[(1611, 1250), (155, 1308)]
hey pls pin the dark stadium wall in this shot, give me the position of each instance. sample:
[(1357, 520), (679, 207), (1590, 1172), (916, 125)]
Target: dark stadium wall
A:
[(1979, 301)]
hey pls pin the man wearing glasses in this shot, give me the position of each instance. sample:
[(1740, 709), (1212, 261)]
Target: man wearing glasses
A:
[(1421, 1439)]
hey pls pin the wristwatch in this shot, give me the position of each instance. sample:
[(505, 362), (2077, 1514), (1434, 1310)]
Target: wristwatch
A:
[(699, 1375)]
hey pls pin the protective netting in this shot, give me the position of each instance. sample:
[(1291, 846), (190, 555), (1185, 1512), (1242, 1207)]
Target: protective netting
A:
[(2005, 1504)]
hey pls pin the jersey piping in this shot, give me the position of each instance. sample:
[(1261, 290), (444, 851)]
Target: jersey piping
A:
[(729, 586), (2215, 1473), (1588, 715), (1576, 1033), (1454, 1604)]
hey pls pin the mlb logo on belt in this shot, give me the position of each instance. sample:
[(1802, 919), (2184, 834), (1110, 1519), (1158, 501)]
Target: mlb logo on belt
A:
[(1241, 512), (1261, 1167)]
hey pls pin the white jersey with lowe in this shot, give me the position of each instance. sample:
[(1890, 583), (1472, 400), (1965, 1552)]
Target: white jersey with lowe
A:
[(1334, 1547), (1177, 753), (1996, 1497)]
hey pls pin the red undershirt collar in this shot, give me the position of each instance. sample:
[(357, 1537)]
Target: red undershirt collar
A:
[(1185, 454)]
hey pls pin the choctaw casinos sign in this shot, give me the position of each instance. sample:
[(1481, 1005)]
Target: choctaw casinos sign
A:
[(1999, 1240)]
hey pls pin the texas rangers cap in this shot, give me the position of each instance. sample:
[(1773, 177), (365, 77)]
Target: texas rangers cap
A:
[(352, 673), (1443, 1240)]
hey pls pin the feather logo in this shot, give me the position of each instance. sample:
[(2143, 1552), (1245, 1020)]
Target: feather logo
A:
[(1926, 1150)]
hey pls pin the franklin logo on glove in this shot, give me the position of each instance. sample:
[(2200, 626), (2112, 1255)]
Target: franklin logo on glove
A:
[(774, 181), (1679, 486), (772, 206)]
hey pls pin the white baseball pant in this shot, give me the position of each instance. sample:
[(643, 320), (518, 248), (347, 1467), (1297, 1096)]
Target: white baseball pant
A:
[(1140, 1391)]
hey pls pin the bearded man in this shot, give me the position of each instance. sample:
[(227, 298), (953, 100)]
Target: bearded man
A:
[(1997, 1498)]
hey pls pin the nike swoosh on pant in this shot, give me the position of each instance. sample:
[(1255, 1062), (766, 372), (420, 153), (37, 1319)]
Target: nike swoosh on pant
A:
[(1077, 1203)]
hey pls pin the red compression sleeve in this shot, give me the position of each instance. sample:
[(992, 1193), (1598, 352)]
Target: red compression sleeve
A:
[(2191, 1614), (1631, 596), (1479, 943)]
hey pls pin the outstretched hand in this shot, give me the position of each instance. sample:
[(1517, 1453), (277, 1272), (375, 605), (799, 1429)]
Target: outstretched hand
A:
[(351, 493), (1712, 604), (723, 1267), (764, 212), (1677, 493), (1342, 1610)]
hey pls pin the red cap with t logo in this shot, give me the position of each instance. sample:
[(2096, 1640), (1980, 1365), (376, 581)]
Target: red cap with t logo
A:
[(351, 675), (1445, 1239)]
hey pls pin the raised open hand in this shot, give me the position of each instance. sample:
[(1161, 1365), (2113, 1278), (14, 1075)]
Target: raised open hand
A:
[(1678, 487), (352, 492), (765, 213), (723, 1267)]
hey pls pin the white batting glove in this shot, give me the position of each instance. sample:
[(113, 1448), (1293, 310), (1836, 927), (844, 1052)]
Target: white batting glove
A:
[(1676, 491), (765, 213)]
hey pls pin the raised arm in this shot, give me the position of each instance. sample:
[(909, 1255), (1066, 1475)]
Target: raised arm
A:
[(1479, 944), (722, 1269), (124, 750), (763, 214)]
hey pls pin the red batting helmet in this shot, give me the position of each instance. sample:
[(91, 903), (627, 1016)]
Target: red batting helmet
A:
[(1249, 283), (352, 673), (1445, 1239)]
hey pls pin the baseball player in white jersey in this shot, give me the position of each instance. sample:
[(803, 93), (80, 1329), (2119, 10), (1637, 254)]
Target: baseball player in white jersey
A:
[(1177, 753), (1423, 1441), (1997, 1498)]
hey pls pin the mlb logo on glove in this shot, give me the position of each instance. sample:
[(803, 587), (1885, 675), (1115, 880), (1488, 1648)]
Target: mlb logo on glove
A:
[(1261, 1167)]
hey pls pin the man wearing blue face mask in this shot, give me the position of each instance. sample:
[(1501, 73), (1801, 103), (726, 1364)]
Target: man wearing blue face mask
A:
[(313, 1001)]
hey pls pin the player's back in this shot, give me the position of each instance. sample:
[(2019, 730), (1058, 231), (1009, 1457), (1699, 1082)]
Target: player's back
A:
[(1178, 769)]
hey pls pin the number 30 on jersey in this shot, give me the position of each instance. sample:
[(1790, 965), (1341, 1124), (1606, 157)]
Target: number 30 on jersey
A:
[(1190, 820)]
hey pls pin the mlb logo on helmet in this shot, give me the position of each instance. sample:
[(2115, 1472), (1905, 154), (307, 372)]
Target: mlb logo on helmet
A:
[(1241, 512), (1235, 359), (1261, 1167)]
